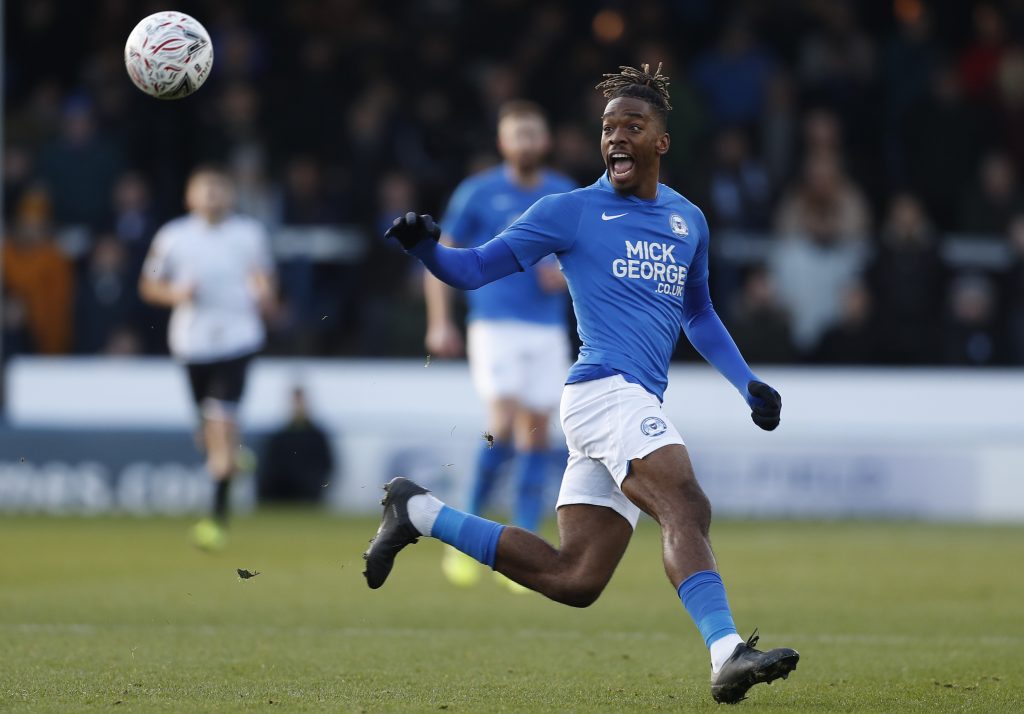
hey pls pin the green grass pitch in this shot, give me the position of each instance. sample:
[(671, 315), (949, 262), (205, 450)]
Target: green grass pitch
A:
[(121, 614)]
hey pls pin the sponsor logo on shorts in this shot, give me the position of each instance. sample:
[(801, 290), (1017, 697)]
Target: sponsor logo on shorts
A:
[(653, 426)]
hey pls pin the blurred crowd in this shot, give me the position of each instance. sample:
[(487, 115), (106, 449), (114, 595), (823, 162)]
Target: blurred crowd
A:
[(860, 164)]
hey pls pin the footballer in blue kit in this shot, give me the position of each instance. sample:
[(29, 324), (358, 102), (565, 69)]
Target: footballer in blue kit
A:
[(635, 256), (518, 346)]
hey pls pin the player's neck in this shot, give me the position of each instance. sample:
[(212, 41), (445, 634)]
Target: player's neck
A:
[(645, 191), (524, 177), (647, 195), (211, 219)]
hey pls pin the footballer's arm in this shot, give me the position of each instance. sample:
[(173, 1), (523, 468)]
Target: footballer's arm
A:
[(164, 293), (263, 284), (443, 338), (705, 331)]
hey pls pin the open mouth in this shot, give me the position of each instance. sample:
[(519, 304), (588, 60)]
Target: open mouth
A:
[(620, 165)]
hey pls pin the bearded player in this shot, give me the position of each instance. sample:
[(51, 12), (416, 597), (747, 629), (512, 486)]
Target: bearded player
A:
[(518, 348), (635, 255)]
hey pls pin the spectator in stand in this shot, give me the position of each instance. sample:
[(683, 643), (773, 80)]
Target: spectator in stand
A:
[(822, 222), (233, 123), (941, 177), (79, 169), (392, 290), (1013, 292), (908, 279), (988, 206), (740, 190), (822, 133), (825, 203), (971, 335), (979, 63), (38, 119), (734, 77), (779, 127), (39, 275), (297, 463), (319, 289), (853, 339), (308, 198), (105, 297), (909, 58), (17, 338), (759, 324), (134, 222), (257, 196), (1010, 106), (369, 132), (573, 153), (17, 177), (837, 58)]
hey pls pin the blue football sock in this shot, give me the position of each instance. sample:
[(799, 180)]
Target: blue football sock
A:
[(703, 596), (476, 537), (488, 464), (531, 475)]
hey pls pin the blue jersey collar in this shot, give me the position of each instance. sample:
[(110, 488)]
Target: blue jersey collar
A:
[(606, 185)]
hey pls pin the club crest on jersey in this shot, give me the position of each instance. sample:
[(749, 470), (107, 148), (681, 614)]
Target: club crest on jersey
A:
[(678, 225), (653, 426)]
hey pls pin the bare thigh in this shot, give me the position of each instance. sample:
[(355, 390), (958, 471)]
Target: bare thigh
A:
[(664, 486)]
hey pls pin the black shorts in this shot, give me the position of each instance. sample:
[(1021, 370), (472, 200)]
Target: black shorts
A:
[(218, 384)]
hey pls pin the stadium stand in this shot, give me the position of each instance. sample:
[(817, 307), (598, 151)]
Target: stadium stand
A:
[(800, 147)]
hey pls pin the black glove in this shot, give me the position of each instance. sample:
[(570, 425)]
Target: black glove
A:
[(765, 404), (411, 229)]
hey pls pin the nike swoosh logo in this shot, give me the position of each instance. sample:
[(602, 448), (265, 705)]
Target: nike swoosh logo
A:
[(606, 217)]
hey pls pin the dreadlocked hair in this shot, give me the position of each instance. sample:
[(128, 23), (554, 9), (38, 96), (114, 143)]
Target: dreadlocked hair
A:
[(639, 84)]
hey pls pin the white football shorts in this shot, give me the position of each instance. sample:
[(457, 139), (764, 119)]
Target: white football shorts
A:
[(607, 423), (518, 360)]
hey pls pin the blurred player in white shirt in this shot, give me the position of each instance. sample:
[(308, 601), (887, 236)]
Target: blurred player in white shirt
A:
[(214, 269)]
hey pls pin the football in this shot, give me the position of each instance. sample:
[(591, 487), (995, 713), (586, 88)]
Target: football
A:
[(168, 55)]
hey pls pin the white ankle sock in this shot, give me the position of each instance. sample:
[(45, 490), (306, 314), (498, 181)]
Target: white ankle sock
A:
[(721, 650), (423, 510)]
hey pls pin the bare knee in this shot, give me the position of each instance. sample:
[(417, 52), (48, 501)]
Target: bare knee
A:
[(502, 418), (684, 509), (698, 506), (580, 590), (531, 430), (220, 451)]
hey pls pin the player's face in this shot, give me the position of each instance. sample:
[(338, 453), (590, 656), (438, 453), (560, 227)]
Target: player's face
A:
[(524, 140), (632, 143), (210, 195)]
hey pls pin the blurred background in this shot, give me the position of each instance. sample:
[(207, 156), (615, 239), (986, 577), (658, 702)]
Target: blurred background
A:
[(860, 165)]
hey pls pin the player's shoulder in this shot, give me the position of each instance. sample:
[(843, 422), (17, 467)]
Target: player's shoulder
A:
[(489, 179), (558, 182), (584, 194), (175, 230), (179, 224), (676, 201), (571, 199), (244, 224), (669, 195)]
